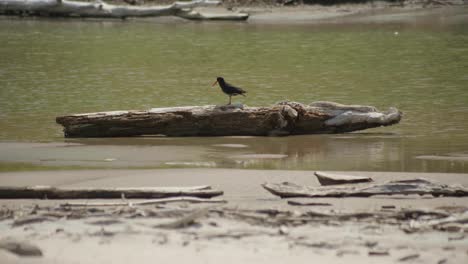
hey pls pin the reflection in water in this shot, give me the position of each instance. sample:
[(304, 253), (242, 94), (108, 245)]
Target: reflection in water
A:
[(364, 152)]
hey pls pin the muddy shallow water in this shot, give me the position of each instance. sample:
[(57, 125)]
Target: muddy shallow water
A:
[(415, 63)]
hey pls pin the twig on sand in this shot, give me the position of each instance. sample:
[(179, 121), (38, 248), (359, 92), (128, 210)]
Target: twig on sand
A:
[(186, 220), (31, 220), (298, 203), (409, 257), (20, 248), (379, 252), (149, 202)]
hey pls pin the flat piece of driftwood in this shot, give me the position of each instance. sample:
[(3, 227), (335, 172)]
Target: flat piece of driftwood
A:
[(152, 201), (20, 248), (49, 192), (285, 118), (334, 179), (404, 187), (460, 218), (185, 221)]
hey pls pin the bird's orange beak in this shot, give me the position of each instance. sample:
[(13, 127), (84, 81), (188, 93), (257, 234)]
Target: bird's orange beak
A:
[(214, 83)]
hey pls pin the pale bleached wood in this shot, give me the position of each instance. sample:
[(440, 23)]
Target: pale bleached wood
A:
[(66, 8), (403, 187), (335, 179), (49, 192), (285, 118), (147, 202)]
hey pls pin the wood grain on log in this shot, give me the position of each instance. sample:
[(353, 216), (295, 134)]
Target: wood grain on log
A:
[(404, 187), (48, 192), (285, 118)]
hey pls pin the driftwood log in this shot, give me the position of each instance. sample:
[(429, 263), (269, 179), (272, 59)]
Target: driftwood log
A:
[(404, 187), (48, 192), (285, 118), (334, 179), (65, 8)]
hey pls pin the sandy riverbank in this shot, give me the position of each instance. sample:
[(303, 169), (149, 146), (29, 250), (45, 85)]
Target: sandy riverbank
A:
[(378, 12), (252, 227)]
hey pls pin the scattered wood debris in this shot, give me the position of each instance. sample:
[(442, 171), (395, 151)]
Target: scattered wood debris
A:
[(409, 220)]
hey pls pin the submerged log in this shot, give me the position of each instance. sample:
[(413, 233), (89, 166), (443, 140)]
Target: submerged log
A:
[(48, 192), (334, 179), (404, 187), (65, 8), (285, 118)]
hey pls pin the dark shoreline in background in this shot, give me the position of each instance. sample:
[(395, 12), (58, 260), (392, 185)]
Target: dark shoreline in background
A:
[(276, 12), (241, 3)]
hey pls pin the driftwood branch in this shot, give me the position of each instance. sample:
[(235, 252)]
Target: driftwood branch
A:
[(48, 192), (334, 179), (286, 118), (405, 187), (148, 202), (65, 8)]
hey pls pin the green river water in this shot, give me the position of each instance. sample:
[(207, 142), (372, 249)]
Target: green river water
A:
[(50, 68)]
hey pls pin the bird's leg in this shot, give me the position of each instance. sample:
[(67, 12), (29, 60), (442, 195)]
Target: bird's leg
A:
[(229, 100)]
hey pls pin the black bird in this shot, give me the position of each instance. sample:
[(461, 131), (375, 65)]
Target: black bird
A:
[(228, 88)]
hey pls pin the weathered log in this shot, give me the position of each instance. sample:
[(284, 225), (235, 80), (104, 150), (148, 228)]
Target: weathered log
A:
[(334, 179), (285, 118), (48, 192), (404, 187), (65, 8)]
